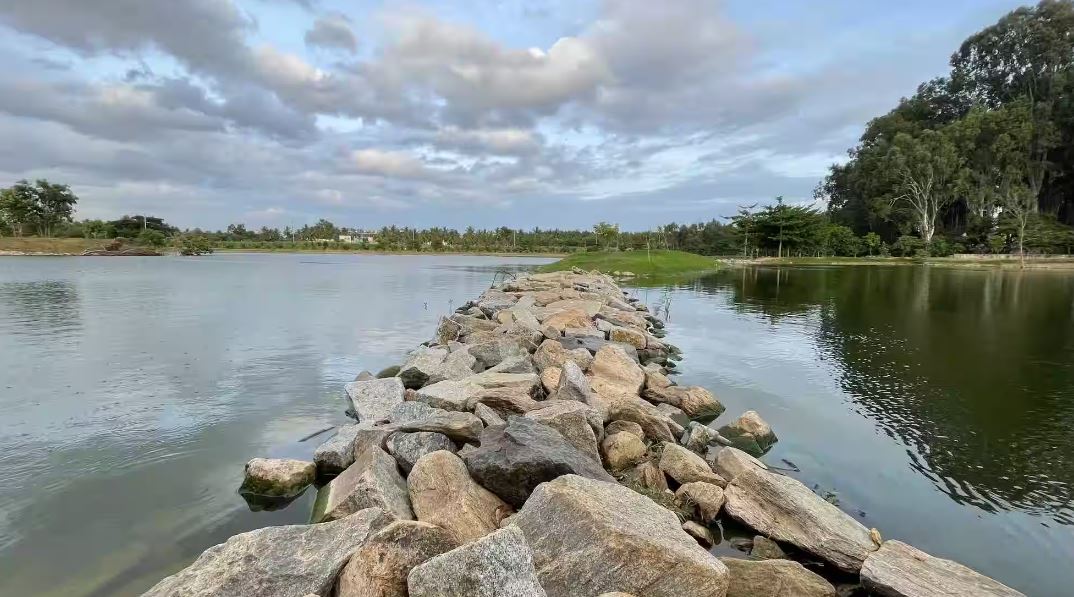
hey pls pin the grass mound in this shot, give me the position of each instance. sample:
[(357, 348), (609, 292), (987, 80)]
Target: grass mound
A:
[(641, 263)]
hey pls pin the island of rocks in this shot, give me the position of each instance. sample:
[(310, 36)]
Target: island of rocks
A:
[(537, 446)]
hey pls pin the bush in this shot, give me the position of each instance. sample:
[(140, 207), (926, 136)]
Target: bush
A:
[(151, 238), (941, 247), (194, 245), (908, 246)]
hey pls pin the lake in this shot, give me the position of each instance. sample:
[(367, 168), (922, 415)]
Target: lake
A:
[(934, 404)]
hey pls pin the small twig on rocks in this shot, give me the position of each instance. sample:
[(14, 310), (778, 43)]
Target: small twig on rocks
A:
[(316, 433)]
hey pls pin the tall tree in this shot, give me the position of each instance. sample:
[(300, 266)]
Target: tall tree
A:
[(928, 167), (18, 206), (55, 205)]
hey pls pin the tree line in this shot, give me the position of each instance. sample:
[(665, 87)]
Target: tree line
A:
[(983, 158)]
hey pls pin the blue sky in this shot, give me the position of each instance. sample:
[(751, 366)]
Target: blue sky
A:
[(453, 113)]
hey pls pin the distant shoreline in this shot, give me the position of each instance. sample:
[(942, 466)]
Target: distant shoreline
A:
[(1056, 262)]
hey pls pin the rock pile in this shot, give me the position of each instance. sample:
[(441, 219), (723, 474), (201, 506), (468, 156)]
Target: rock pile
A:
[(537, 447)]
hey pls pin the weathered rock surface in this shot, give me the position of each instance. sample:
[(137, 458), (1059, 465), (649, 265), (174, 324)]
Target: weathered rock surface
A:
[(749, 433), (695, 401), (728, 462), (700, 533), (497, 565), (705, 499), (627, 336), (452, 394), (647, 475), (505, 401), (567, 318), (407, 448), (380, 567), (494, 350), (337, 452), (420, 365), (571, 419), (593, 345), (373, 400), (774, 578), (515, 458), (614, 374), (373, 481), (488, 416), (685, 467), (573, 384), (550, 379), (697, 438), (526, 383), (786, 510), (627, 426), (416, 416), (278, 477), (766, 549), (901, 570), (442, 493), (622, 450), (281, 561), (589, 537), (656, 426), (458, 364)]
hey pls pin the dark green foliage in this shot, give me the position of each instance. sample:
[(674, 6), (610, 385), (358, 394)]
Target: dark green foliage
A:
[(191, 245), (42, 206), (994, 137)]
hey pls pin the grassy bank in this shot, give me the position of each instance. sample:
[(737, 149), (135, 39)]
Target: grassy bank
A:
[(49, 246), (378, 252), (1055, 262), (641, 263)]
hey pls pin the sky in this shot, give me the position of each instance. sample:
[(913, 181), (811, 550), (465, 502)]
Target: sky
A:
[(459, 113)]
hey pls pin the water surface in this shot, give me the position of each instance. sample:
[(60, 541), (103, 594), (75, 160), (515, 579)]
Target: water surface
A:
[(937, 404), (133, 390)]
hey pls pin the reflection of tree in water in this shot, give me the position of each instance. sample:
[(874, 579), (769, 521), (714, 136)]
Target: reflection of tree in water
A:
[(40, 308), (972, 369)]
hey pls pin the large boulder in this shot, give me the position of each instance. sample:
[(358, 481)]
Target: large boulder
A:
[(515, 458), (728, 462), (627, 426), (695, 401), (380, 567), (656, 425), (901, 570), (526, 383), (409, 447), (593, 345), (497, 565), (337, 452), (572, 384), (625, 335), (568, 318), (458, 364), (505, 401), (442, 493), (373, 400), (614, 374), (786, 510), (572, 421), (451, 394), (589, 308), (417, 416), (686, 467), (704, 499), (749, 433), (775, 578), (420, 365), (622, 450), (278, 477), (285, 561), (495, 349), (552, 354), (373, 481), (590, 537)]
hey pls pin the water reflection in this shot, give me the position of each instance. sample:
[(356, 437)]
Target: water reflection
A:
[(973, 370)]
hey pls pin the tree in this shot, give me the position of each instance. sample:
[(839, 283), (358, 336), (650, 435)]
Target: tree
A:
[(928, 167), (152, 238), (18, 206), (192, 245), (55, 204), (607, 233), (872, 242)]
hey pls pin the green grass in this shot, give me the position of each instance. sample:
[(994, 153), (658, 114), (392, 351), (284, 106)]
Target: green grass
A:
[(61, 246), (640, 263)]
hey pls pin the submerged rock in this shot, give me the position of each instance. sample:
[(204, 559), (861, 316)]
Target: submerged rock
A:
[(517, 457), (380, 567), (373, 481), (373, 400), (774, 578), (442, 493), (900, 570), (278, 477), (275, 561), (497, 565), (590, 537), (784, 509)]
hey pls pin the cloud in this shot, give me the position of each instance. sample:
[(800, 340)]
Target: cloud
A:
[(332, 32), (390, 164), (512, 141)]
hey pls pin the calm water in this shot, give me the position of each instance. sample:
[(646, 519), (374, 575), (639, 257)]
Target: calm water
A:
[(938, 404)]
